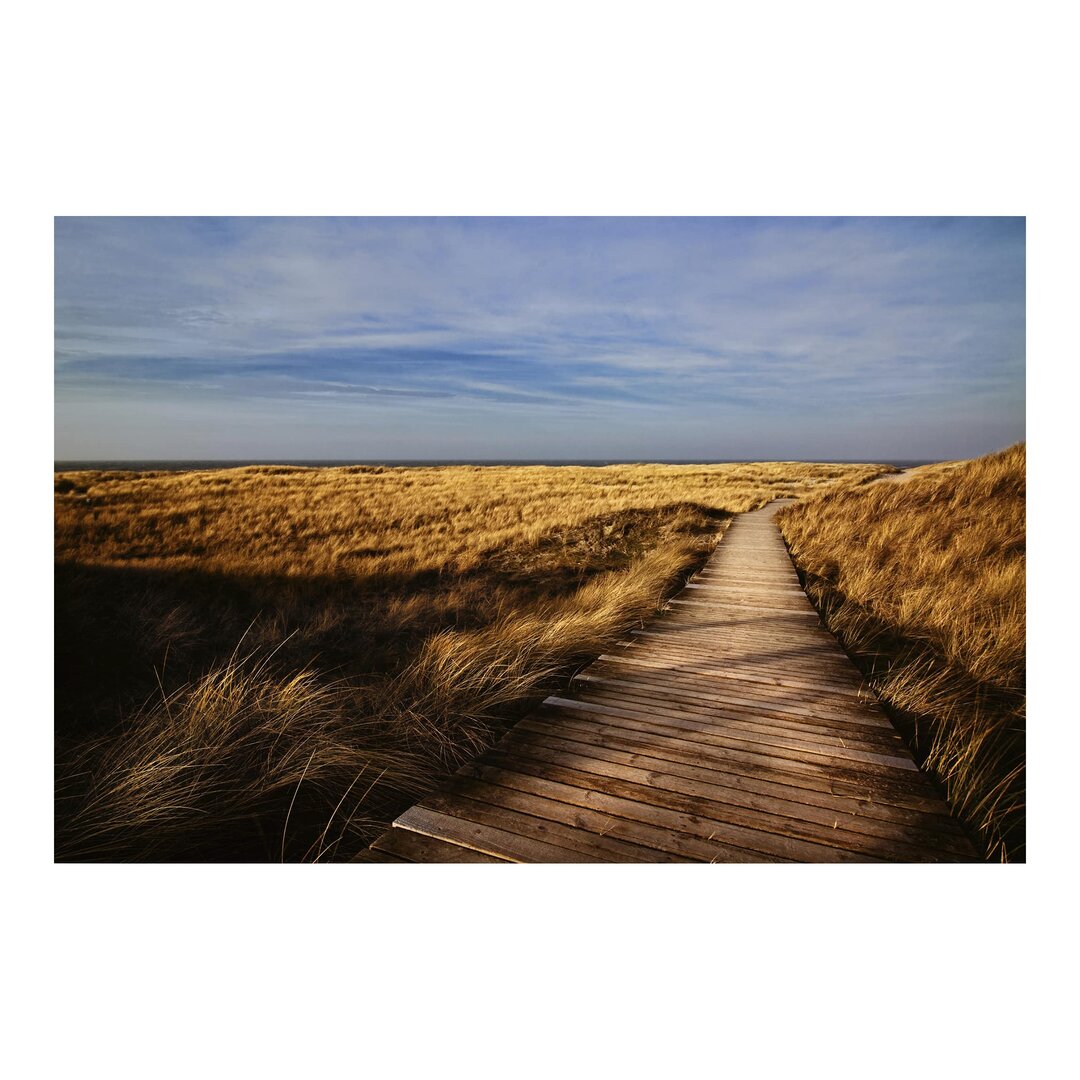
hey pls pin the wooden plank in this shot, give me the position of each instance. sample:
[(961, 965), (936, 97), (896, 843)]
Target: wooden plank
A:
[(759, 543), (777, 673), (764, 581), (774, 576), (656, 736), (750, 549), (702, 619), (746, 629), (714, 586), (698, 606), (765, 560), (825, 731), (720, 635), (593, 757), (735, 622), (530, 818), (742, 629), (738, 675), (699, 731), (745, 583), (742, 595), (674, 757), (488, 839), (780, 615), (752, 583), (752, 573), (723, 635), (867, 715), (800, 650), (760, 676), (727, 687), (781, 597), (724, 697), (669, 837), (723, 604), (678, 663), (768, 578), (413, 847), (809, 659), (698, 806), (746, 837), (797, 661)]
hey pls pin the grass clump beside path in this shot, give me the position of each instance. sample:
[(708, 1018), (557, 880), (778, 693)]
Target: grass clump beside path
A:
[(924, 581), (392, 623)]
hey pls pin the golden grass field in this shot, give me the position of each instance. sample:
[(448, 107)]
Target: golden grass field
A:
[(925, 581), (270, 663)]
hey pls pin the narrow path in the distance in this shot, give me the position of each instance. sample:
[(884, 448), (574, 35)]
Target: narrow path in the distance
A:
[(732, 729)]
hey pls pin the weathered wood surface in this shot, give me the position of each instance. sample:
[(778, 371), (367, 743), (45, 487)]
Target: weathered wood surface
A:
[(731, 729)]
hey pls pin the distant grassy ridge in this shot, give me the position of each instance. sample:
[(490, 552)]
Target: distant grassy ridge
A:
[(272, 662), (375, 522), (924, 580)]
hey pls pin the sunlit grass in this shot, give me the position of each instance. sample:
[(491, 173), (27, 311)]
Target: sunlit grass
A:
[(926, 578)]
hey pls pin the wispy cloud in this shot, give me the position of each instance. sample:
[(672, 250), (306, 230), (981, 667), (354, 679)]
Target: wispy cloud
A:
[(762, 326)]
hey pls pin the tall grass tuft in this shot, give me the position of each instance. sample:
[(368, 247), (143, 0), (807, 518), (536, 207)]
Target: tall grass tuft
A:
[(462, 679), (239, 765)]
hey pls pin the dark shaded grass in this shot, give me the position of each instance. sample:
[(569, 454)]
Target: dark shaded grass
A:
[(243, 761), (123, 631)]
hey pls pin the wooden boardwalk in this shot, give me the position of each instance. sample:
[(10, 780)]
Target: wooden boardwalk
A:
[(732, 729)]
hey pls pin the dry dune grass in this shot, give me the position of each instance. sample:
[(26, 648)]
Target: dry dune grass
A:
[(392, 622), (925, 580), (203, 773), (376, 522)]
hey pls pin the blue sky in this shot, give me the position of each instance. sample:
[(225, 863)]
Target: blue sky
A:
[(637, 338)]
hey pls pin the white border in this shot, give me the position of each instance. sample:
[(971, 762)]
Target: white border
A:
[(491, 108)]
